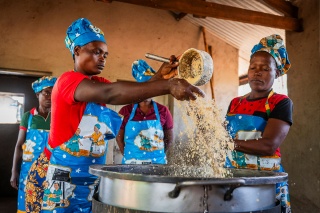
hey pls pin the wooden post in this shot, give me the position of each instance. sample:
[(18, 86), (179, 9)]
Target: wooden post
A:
[(208, 49)]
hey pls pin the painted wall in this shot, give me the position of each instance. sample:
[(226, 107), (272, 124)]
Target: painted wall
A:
[(302, 147), (33, 32), (32, 38)]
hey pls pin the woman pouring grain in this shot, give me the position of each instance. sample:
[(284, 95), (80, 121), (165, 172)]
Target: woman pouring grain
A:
[(79, 101)]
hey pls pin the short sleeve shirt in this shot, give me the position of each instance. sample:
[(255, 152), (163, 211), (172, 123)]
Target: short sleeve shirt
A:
[(37, 122), (66, 112), (281, 107)]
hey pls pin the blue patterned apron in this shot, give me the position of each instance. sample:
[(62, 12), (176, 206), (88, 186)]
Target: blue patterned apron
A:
[(144, 140), (249, 127), (32, 148), (69, 186)]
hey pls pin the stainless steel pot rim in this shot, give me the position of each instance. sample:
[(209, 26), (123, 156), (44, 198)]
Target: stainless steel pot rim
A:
[(159, 173)]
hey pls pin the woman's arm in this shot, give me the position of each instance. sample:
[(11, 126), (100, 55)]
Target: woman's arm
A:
[(87, 136), (119, 93), (17, 158), (120, 140), (168, 138), (274, 134)]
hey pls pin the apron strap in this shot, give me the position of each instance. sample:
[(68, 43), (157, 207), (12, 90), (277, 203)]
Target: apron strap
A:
[(156, 111), (133, 111), (155, 107), (243, 97), (266, 105)]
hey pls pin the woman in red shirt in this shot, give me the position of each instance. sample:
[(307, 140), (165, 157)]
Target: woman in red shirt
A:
[(78, 102)]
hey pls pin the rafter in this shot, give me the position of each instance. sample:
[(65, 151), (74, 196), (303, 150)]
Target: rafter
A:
[(284, 7), (214, 10)]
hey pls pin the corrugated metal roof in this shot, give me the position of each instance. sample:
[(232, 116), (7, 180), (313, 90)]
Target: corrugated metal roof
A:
[(240, 35)]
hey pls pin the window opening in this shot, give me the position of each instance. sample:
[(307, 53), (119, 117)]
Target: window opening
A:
[(11, 107)]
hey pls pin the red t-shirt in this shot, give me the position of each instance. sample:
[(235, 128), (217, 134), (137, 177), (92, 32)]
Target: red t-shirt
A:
[(280, 106), (66, 113), (165, 116)]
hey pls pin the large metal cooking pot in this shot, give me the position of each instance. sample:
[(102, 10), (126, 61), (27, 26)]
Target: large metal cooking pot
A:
[(195, 66), (150, 188)]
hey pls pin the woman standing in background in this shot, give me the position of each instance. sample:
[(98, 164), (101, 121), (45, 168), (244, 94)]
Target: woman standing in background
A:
[(33, 135), (146, 131)]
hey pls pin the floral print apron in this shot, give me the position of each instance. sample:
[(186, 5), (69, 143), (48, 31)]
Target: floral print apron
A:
[(32, 148), (144, 140), (68, 186), (248, 127)]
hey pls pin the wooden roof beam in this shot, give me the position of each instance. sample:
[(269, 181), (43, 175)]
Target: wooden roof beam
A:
[(106, 1), (214, 10), (285, 7), (197, 16)]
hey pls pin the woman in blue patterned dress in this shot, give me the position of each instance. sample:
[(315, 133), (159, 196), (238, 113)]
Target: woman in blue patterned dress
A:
[(33, 134)]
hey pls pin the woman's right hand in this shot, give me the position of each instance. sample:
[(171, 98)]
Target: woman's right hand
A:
[(167, 70), (14, 179), (182, 90)]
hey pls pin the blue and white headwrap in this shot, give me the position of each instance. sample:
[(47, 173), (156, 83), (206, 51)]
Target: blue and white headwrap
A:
[(42, 83), (82, 32), (274, 45), (141, 71)]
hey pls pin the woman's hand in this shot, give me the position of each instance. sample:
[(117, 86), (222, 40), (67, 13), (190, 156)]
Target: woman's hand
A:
[(14, 179), (167, 70), (182, 90)]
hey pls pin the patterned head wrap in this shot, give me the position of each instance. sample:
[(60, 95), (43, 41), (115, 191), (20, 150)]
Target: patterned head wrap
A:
[(273, 44), (42, 83), (141, 71), (82, 32)]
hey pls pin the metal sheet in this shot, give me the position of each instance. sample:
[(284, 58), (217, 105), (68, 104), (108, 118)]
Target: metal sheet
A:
[(239, 35)]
